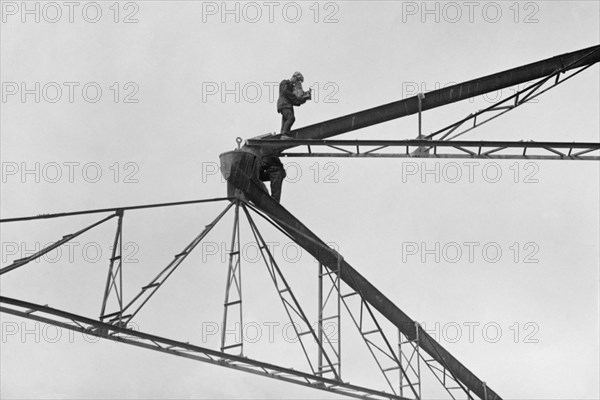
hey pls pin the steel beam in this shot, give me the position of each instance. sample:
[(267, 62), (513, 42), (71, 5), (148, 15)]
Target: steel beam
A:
[(448, 156), (428, 143), (114, 209)]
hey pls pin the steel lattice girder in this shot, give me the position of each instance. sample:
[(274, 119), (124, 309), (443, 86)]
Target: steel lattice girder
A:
[(240, 170), (418, 148), (121, 334)]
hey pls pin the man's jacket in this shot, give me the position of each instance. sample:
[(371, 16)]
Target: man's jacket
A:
[(287, 98)]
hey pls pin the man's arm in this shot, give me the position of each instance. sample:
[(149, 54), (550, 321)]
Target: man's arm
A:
[(288, 92)]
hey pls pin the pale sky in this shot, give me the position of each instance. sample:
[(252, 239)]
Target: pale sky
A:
[(183, 79)]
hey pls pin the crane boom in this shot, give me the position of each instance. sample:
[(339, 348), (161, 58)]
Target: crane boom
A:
[(446, 95)]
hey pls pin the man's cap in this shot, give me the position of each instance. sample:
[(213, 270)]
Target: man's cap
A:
[(299, 76)]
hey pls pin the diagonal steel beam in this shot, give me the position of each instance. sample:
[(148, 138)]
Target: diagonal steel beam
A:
[(20, 262)]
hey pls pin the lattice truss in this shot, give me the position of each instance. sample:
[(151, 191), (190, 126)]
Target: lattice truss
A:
[(396, 363)]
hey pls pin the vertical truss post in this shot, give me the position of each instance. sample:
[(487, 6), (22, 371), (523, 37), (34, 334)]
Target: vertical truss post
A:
[(410, 362), (234, 281), (423, 150), (333, 320), (420, 98), (320, 321), (296, 314), (114, 279)]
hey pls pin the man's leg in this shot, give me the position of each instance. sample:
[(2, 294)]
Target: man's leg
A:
[(277, 175), (282, 121), (287, 120)]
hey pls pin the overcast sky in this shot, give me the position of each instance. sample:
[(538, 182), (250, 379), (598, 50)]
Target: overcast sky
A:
[(114, 104)]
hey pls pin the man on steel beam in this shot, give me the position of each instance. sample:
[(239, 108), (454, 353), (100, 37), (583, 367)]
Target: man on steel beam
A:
[(290, 94)]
